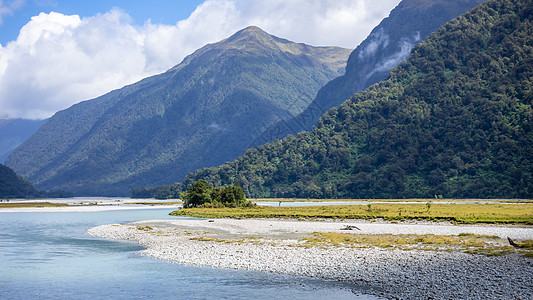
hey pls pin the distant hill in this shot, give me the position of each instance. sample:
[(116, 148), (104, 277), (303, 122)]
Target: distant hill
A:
[(455, 119), (14, 132), (387, 45), (14, 186), (203, 112)]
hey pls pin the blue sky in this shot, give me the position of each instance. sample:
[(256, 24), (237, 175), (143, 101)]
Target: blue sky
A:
[(55, 53), (159, 11)]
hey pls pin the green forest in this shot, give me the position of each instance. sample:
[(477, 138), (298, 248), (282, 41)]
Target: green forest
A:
[(455, 120), (14, 186)]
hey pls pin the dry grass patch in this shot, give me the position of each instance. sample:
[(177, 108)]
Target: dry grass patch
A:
[(244, 239), (469, 243), (32, 204)]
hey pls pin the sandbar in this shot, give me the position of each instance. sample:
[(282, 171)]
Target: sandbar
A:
[(269, 245)]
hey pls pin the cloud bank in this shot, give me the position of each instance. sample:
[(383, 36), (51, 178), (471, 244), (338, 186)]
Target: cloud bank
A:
[(59, 60)]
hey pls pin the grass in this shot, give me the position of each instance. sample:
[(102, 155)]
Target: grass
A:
[(387, 200), (32, 204), (469, 243), (245, 239), (528, 244), (157, 203), (465, 242), (495, 213), (144, 228)]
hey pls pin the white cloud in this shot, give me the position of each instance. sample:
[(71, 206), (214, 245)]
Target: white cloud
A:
[(377, 40), (405, 45), (58, 60)]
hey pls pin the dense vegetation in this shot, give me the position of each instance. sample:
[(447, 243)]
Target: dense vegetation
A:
[(203, 112), (14, 186), (456, 120), (201, 194), (388, 44)]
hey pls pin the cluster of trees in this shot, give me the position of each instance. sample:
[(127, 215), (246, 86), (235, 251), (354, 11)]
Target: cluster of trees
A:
[(456, 120), (202, 194)]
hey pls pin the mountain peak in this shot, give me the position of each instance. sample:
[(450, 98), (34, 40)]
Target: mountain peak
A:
[(251, 29), (203, 112), (251, 37)]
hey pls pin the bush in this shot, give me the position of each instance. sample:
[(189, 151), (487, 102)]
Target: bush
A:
[(202, 194)]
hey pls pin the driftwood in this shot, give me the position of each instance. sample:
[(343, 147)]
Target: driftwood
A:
[(350, 227), (512, 243)]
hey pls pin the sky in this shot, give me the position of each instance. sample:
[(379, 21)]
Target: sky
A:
[(55, 53)]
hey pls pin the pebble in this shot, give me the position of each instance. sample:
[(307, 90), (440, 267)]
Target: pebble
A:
[(389, 273)]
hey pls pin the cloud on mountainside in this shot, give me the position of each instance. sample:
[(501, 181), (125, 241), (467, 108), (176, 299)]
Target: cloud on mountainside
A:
[(403, 51), (58, 60), (378, 40)]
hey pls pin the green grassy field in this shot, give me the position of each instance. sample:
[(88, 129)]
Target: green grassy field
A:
[(517, 213), (387, 200)]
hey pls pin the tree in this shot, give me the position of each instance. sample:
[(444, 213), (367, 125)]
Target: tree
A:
[(198, 194), (232, 195), (202, 194)]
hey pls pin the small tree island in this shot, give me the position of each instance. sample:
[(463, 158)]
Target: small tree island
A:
[(201, 194)]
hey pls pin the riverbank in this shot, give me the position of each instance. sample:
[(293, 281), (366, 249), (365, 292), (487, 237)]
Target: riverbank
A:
[(282, 246), (84, 204), (473, 213)]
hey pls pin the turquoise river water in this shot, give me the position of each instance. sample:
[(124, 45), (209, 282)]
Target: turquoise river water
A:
[(47, 255)]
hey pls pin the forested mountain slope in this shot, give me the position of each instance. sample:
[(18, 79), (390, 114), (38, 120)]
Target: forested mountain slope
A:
[(388, 44), (455, 119), (13, 186), (203, 112)]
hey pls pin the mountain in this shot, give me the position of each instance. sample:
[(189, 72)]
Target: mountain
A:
[(387, 45), (14, 186), (455, 119), (203, 112), (14, 132)]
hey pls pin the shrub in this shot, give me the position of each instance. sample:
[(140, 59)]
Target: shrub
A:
[(202, 194)]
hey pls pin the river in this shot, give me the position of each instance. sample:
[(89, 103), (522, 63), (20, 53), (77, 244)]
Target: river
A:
[(47, 255)]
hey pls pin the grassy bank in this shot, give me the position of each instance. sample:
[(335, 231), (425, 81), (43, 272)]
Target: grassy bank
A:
[(31, 204), (519, 213), (157, 203), (421, 200)]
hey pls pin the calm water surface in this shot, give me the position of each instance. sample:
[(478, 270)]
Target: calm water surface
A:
[(49, 256)]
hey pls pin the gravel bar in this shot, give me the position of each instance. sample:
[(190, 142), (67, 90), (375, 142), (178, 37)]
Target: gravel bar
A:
[(388, 273)]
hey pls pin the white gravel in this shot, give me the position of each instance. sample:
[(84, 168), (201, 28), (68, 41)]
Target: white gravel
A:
[(394, 274)]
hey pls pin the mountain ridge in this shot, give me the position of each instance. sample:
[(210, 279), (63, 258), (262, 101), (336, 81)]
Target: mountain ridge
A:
[(455, 119), (202, 112), (14, 186), (387, 45), (13, 132)]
